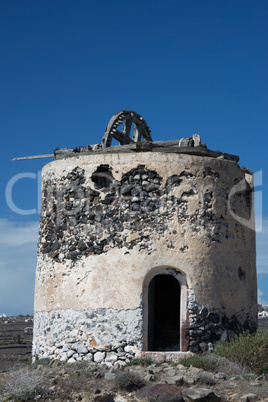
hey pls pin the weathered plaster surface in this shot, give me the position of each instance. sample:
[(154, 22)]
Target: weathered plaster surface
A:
[(97, 245)]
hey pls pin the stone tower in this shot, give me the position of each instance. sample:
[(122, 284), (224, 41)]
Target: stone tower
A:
[(144, 246)]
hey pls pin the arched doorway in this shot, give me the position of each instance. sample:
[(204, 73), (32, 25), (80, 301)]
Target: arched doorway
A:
[(164, 306)]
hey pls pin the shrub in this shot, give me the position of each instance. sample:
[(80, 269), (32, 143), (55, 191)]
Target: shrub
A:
[(205, 379), (22, 383), (213, 363), (17, 338), (129, 381), (264, 370), (45, 361), (25, 360), (146, 361), (200, 361), (248, 350)]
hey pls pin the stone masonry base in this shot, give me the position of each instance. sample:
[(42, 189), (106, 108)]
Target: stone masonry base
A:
[(102, 335)]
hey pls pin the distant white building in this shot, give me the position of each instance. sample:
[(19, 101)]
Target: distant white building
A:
[(263, 314), (28, 330), (2, 315)]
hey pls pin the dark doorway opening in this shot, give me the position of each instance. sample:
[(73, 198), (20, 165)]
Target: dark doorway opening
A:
[(164, 313)]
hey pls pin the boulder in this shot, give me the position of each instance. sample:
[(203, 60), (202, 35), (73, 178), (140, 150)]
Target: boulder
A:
[(160, 393), (80, 348), (250, 398), (99, 357), (200, 395)]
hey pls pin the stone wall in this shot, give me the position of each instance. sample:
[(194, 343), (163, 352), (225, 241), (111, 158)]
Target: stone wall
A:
[(108, 220), (102, 335), (209, 325)]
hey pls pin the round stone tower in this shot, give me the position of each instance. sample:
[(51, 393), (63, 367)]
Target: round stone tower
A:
[(145, 246)]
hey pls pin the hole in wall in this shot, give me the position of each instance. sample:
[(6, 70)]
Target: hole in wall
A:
[(102, 177), (241, 273)]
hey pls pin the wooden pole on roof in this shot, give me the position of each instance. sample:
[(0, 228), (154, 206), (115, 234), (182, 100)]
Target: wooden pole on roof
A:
[(33, 157)]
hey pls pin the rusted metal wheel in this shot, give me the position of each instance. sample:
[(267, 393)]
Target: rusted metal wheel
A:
[(127, 118)]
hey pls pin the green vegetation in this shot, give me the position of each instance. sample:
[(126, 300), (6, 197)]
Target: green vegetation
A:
[(55, 396), (248, 350), (244, 352), (43, 361), (212, 363), (27, 360), (200, 361), (17, 338), (264, 369), (146, 361)]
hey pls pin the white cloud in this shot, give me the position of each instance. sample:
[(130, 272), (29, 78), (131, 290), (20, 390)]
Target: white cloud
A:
[(17, 234), (262, 248), (260, 298), (18, 252)]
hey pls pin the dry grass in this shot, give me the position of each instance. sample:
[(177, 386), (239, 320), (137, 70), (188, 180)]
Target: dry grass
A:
[(130, 381), (22, 382)]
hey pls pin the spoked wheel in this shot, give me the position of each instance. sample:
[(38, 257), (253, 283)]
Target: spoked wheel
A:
[(127, 118)]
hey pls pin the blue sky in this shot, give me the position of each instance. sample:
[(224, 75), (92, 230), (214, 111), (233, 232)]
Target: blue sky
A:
[(186, 66)]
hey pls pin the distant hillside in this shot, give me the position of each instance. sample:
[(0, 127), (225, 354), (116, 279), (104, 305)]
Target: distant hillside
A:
[(16, 337)]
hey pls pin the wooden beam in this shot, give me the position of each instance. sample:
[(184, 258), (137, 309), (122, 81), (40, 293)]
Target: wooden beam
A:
[(123, 139), (23, 158)]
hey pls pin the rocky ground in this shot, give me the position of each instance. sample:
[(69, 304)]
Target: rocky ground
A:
[(53, 380)]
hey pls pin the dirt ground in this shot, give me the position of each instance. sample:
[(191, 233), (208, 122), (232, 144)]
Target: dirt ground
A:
[(90, 382), (83, 381)]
